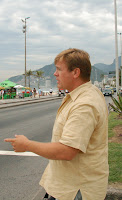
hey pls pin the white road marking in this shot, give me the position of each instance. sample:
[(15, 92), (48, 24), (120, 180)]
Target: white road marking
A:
[(12, 153)]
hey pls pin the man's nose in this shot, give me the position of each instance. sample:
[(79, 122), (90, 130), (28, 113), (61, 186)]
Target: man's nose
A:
[(55, 73)]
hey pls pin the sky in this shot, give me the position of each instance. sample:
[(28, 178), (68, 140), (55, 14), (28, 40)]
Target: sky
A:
[(53, 26)]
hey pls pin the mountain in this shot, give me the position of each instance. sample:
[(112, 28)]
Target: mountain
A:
[(49, 72), (107, 68), (98, 70), (49, 75)]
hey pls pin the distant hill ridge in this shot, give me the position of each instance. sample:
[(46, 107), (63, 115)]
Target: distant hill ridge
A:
[(97, 70), (106, 68)]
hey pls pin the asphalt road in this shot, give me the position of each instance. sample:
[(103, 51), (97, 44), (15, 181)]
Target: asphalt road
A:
[(108, 99), (20, 175)]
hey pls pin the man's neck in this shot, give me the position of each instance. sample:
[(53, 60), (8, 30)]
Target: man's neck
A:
[(77, 84)]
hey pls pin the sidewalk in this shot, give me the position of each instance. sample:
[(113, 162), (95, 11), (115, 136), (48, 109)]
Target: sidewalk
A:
[(27, 100)]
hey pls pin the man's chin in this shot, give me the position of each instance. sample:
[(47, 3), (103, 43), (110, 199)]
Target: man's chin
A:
[(58, 86)]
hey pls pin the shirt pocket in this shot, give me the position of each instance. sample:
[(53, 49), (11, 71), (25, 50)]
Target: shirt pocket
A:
[(58, 128)]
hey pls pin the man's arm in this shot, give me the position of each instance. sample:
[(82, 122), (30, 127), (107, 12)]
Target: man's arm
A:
[(54, 151)]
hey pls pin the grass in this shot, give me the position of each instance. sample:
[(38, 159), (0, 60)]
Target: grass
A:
[(115, 151), (115, 162), (112, 122)]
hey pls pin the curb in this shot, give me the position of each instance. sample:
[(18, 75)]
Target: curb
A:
[(19, 103), (114, 194)]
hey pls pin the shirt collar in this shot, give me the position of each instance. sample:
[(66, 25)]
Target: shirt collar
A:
[(79, 90)]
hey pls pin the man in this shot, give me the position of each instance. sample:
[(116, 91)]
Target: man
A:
[(40, 92), (51, 91), (78, 152), (34, 91), (2, 94)]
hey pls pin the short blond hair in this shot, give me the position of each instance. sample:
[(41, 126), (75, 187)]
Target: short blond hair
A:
[(76, 58)]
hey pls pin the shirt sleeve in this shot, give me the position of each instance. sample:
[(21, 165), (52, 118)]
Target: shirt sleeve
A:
[(79, 127)]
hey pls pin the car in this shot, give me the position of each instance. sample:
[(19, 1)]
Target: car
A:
[(107, 86), (61, 92), (120, 91), (107, 92), (114, 89)]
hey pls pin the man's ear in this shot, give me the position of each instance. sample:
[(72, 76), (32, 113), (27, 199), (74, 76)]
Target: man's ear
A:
[(76, 72)]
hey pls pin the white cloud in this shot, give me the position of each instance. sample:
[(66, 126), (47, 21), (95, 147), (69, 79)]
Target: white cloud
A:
[(53, 26)]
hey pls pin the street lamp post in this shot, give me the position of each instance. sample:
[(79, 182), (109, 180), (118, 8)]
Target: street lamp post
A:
[(121, 55), (116, 48), (24, 31)]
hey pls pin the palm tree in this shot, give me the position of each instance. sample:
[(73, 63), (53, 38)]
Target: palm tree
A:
[(117, 107), (102, 76), (39, 74), (29, 73)]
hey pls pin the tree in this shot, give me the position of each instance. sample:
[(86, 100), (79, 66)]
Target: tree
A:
[(29, 73), (102, 76), (39, 74)]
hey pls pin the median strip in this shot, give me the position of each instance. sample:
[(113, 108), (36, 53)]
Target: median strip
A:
[(13, 153)]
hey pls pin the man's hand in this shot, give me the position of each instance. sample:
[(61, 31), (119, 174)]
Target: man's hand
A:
[(19, 143), (52, 151)]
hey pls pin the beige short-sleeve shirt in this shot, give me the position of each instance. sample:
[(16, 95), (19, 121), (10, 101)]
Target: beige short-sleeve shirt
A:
[(81, 123)]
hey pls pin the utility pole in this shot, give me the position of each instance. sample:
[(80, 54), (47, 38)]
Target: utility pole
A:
[(121, 56), (24, 31), (116, 49)]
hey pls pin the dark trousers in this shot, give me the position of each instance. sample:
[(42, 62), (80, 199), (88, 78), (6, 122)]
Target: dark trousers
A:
[(78, 196)]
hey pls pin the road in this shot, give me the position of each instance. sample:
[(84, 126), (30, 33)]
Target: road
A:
[(108, 99), (20, 175)]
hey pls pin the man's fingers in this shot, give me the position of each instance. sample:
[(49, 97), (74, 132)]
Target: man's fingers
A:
[(9, 140), (12, 139), (17, 136)]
